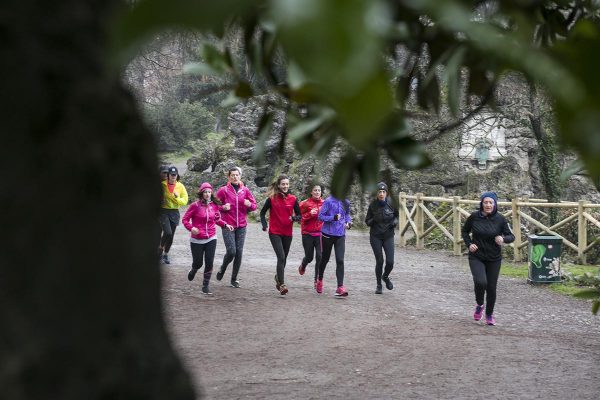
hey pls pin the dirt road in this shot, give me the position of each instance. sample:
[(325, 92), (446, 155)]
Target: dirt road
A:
[(417, 341)]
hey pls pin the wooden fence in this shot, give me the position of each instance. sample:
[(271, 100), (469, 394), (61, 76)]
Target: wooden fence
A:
[(519, 213)]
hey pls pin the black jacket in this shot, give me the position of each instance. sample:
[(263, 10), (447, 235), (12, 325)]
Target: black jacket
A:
[(381, 219), (483, 230)]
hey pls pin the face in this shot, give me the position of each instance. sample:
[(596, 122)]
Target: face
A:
[(381, 194), (207, 194), (164, 175), (172, 178), (234, 177), (488, 205), (316, 192), (284, 185)]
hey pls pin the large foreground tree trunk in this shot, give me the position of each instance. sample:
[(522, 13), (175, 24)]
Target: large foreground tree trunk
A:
[(79, 282)]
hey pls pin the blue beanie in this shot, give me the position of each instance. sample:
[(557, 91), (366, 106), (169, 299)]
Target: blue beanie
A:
[(492, 196)]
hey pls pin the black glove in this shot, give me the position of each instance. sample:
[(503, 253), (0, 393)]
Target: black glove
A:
[(296, 218), (336, 217), (264, 228), (349, 225)]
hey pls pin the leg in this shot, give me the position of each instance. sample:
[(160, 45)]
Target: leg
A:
[(229, 241), (169, 240), (197, 252), (209, 256), (340, 250), (276, 242), (167, 234), (479, 278), (240, 238), (308, 253), (327, 243), (492, 270), (388, 248), (376, 245), (316, 244)]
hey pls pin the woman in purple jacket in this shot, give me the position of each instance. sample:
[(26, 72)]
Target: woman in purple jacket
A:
[(336, 218), (200, 219)]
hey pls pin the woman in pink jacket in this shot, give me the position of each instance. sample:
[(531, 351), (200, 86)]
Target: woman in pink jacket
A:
[(237, 201), (200, 219)]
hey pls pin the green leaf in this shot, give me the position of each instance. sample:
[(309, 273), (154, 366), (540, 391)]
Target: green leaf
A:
[(595, 307), (343, 175), (305, 127), (406, 153), (453, 77), (264, 131), (200, 69), (368, 169), (587, 294), (215, 59), (243, 90), (572, 169)]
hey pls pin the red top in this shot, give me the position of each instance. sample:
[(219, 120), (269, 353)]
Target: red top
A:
[(311, 225)]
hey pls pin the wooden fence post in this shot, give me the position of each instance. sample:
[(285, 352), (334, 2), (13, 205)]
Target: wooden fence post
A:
[(516, 222), (419, 222), (581, 232), (402, 219), (456, 228)]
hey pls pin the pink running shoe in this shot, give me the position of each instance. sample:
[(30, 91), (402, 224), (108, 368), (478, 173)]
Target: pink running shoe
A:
[(478, 312), (319, 286), (341, 291), (489, 319), (301, 269)]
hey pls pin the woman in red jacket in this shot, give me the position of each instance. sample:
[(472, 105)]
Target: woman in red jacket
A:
[(200, 219), (311, 230), (284, 210)]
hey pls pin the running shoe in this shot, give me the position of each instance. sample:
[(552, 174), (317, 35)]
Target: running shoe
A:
[(277, 284), (341, 291), (489, 320), (283, 289), (388, 283), (319, 286), (220, 274), (166, 259), (235, 284), (379, 289), (206, 291), (302, 269), (478, 312), (192, 274)]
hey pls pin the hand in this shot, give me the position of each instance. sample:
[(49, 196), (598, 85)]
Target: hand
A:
[(473, 247), (226, 206), (313, 211), (229, 227), (247, 203), (175, 194), (264, 228), (195, 231), (499, 240), (336, 217), (348, 225)]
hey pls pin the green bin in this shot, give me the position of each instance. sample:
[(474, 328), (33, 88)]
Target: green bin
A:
[(544, 259)]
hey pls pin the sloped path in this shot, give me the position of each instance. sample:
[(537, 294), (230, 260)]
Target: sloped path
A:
[(416, 342)]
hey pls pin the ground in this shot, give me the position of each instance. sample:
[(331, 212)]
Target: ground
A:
[(418, 341)]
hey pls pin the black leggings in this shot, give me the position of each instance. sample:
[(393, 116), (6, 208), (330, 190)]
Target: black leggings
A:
[(208, 251), (234, 246), (312, 247), (169, 219), (339, 245), (387, 245), (281, 245), (485, 279)]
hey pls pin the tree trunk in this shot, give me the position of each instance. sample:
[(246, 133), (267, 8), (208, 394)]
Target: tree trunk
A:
[(79, 280)]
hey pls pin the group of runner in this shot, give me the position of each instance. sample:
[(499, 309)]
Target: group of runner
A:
[(323, 227)]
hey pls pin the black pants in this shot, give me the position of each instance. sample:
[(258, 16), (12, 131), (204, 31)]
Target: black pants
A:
[(312, 247), (380, 246), (485, 279), (281, 245), (338, 243), (206, 251), (169, 219), (234, 246)]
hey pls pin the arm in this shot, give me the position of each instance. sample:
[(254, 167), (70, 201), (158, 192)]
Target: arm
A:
[(250, 198), (324, 212), (218, 219), (182, 197), (188, 215), (347, 216), (507, 233), (369, 217), (396, 217), (263, 212), (466, 230), (297, 214)]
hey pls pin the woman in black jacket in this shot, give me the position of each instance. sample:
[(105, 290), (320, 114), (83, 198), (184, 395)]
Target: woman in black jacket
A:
[(382, 217), (488, 231)]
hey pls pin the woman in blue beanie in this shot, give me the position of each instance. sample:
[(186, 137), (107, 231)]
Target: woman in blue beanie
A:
[(484, 232)]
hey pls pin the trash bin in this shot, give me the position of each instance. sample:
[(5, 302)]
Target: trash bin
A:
[(544, 259)]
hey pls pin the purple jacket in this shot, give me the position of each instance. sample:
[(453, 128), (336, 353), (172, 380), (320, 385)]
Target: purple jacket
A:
[(236, 216), (329, 209)]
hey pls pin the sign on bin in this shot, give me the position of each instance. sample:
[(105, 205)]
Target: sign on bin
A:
[(544, 259)]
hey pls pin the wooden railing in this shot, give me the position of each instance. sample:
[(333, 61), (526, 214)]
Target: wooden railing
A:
[(518, 212)]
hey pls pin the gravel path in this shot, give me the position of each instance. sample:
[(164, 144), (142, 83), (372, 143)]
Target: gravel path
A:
[(416, 342)]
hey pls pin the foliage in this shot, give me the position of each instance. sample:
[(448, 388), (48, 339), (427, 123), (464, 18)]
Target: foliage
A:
[(176, 123)]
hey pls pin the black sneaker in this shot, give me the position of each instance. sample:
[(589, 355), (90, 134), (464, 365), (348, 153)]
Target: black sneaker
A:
[(220, 274), (388, 283), (206, 291), (192, 274), (379, 289), (166, 259), (235, 284)]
